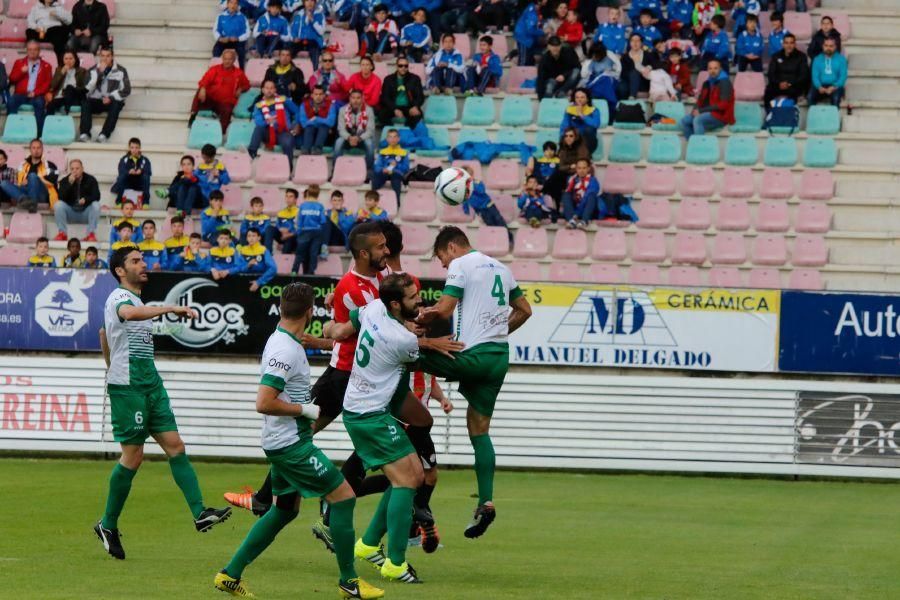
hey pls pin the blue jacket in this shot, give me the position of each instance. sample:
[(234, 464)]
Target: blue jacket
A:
[(137, 236), (210, 222), (206, 184), (231, 25), (377, 214), (127, 162), (593, 189), (748, 43), (343, 220), (637, 6), (429, 5), (649, 34), (681, 11), (256, 259), (590, 121), (261, 222), (478, 199), (154, 254), (309, 29), (739, 15), (494, 66), (776, 41), (328, 120), (287, 218), (190, 263), (311, 216), (827, 72), (717, 45), (226, 259), (528, 30), (175, 245), (417, 34), (613, 37), (267, 25), (454, 62), (525, 201), (545, 167), (42, 261), (396, 158), (292, 111)]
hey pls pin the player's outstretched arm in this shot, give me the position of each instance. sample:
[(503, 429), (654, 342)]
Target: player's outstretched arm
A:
[(443, 345), (104, 346), (339, 331), (267, 403), (442, 310), (521, 312), (316, 343), (128, 312)]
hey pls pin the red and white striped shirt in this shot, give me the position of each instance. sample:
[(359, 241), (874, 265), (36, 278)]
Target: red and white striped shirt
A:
[(353, 291)]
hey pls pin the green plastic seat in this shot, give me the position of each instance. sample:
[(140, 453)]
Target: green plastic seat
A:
[(440, 110), (26, 108), (625, 147), (823, 120), (244, 107), (781, 152), (59, 130), (748, 117), (19, 129), (205, 131), (603, 107), (598, 153), (478, 111), (516, 111), (239, 133), (384, 132), (672, 110), (551, 111), (545, 135), (472, 134), (510, 135), (441, 138), (702, 150), (207, 114), (820, 152), (665, 148), (644, 107), (741, 150)]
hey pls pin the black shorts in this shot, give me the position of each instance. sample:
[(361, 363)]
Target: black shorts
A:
[(328, 392), (424, 446)]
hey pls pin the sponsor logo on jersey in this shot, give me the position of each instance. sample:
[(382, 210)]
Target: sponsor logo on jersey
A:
[(216, 321)]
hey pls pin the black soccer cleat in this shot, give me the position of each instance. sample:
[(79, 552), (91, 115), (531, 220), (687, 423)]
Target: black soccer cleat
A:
[(110, 539), (429, 537), (484, 516), (210, 517)]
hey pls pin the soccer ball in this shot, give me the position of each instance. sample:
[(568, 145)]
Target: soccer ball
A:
[(453, 186)]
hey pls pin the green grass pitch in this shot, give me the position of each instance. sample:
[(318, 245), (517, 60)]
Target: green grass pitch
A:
[(557, 535)]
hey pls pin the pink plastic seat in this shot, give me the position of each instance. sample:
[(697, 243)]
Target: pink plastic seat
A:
[(454, 214), (605, 273), (609, 244), (749, 86), (239, 166), (435, 269), (19, 9), (777, 183), (841, 23), (49, 57), (503, 174), (526, 270), (12, 31), (816, 184), (15, 156), (473, 164), (256, 70), (501, 46), (659, 180), (620, 179), (272, 197), (284, 262), (800, 24), (387, 201), (309, 169), (430, 163), (738, 182), (57, 155), (644, 275), (685, 276), (418, 205), (805, 279), (414, 267), (813, 217), (727, 277), (416, 239), (772, 215), (765, 278), (305, 66), (729, 249), (690, 248), (234, 199), (494, 241), (507, 206), (649, 246), (272, 168), (518, 76), (2, 226), (351, 199), (417, 69), (702, 76), (349, 170), (765, 24), (810, 251), (463, 45), (699, 182), (86, 60), (25, 228), (733, 215), (346, 42), (693, 213), (8, 56), (13, 255), (654, 213), (332, 266), (529, 242), (570, 244), (566, 272), (769, 249)]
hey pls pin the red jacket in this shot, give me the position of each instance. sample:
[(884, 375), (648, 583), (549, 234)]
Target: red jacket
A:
[(681, 74), (571, 33), (20, 79), (718, 95), (371, 88), (223, 85)]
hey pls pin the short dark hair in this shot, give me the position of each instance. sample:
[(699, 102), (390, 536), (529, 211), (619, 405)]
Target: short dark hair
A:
[(41, 240), (124, 225), (826, 17), (73, 240), (223, 231), (176, 219), (256, 200), (312, 191), (275, 3), (380, 8), (393, 237), (133, 140), (752, 17), (195, 236), (3, 153), (92, 249), (296, 300), (447, 235), (321, 88), (646, 11), (549, 145), (337, 194), (487, 40), (393, 286), (448, 35), (719, 20), (359, 236), (253, 230), (372, 195), (190, 158), (128, 201), (149, 222), (117, 259), (675, 52), (216, 195), (776, 16), (208, 150), (554, 41)]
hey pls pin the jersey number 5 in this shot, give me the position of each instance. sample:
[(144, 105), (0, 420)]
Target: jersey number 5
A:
[(362, 353), (497, 291)]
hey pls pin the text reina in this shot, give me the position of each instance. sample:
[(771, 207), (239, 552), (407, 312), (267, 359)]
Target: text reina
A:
[(877, 324)]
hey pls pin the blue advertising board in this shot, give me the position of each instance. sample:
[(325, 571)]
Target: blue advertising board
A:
[(840, 333)]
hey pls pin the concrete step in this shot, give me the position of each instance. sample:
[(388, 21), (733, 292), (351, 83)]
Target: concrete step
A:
[(165, 9)]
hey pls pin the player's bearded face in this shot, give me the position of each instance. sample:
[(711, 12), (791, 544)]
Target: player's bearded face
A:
[(135, 268), (412, 301), (378, 253)]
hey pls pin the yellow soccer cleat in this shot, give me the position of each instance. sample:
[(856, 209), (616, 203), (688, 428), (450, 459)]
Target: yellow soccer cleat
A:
[(357, 588), (403, 573), (230, 585), (371, 554)]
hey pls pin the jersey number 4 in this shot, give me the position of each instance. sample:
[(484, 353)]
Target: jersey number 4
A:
[(497, 291), (362, 353)]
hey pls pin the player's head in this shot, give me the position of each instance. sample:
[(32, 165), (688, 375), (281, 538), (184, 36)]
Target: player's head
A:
[(449, 244), (195, 241), (393, 237), (252, 236), (256, 205), (369, 246), (216, 199), (91, 255), (127, 207), (176, 224), (223, 239), (127, 266), (400, 296), (148, 228), (126, 230), (297, 301), (42, 246)]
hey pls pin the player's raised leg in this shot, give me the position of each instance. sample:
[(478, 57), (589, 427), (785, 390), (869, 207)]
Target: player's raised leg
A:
[(107, 529)]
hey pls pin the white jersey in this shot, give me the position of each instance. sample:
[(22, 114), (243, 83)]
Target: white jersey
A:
[(285, 368), (130, 343), (484, 288), (385, 346)]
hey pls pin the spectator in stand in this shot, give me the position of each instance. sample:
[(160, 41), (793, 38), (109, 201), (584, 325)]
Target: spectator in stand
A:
[(528, 32), (483, 205), (612, 34), (92, 259), (334, 82), (544, 166), (276, 122), (7, 175), (124, 232), (292, 7), (134, 175), (211, 173), (649, 33), (715, 106), (215, 218), (654, 7), (153, 250), (826, 32), (583, 117), (572, 148), (35, 180), (48, 22), (339, 221), (317, 118), (90, 26), (219, 89), (490, 15), (192, 259), (288, 77), (67, 88), (354, 13), (557, 17), (455, 17), (532, 204), (356, 129), (367, 82), (402, 96), (371, 209), (781, 6), (127, 217), (73, 259), (572, 30), (177, 242), (741, 10), (184, 191), (558, 71), (446, 69), (308, 31), (582, 194), (41, 256), (829, 75), (704, 11), (255, 217), (107, 87), (231, 32), (391, 165), (788, 75), (284, 229), (716, 45), (224, 259), (636, 67), (415, 38), (661, 87), (750, 46), (681, 14), (382, 34), (485, 68), (30, 78), (271, 32), (79, 202), (680, 72), (311, 221), (257, 260), (776, 36)]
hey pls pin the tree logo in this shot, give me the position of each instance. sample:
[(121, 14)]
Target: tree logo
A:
[(61, 310)]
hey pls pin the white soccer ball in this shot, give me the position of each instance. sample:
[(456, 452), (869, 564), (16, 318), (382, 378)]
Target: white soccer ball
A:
[(453, 186)]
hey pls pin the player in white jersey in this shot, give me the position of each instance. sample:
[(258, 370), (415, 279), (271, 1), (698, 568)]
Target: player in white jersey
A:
[(297, 467), (138, 401), (487, 304)]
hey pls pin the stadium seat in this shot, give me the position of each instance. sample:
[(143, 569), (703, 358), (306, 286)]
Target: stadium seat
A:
[(823, 119), (625, 147), (604, 273), (551, 111), (609, 245), (698, 181), (603, 107), (738, 182), (766, 278), (733, 215), (478, 111), (541, 137), (748, 117), (472, 164), (517, 76), (812, 217), (309, 169), (239, 133), (516, 111), (238, 164), (349, 170), (471, 134), (436, 270), (665, 148), (729, 249), (439, 110), (772, 215), (455, 214), (727, 277), (255, 70), (2, 227), (59, 130), (503, 174), (566, 272), (16, 154), (654, 213), (351, 200), (416, 239), (702, 150), (25, 227), (494, 241), (272, 197), (644, 275), (765, 24), (800, 24), (19, 9), (8, 56), (19, 129), (672, 110), (430, 162), (820, 153), (693, 213), (805, 279), (769, 249), (741, 150), (689, 248), (620, 179), (684, 275), (749, 86), (597, 156), (463, 45), (12, 32), (332, 266), (659, 180), (57, 156), (14, 255), (526, 270), (271, 168), (809, 251), (649, 246), (344, 41), (777, 184), (165, 227), (234, 199), (702, 76), (529, 242), (628, 125), (418, 205), (570, 244), (780, 152), (841, 23), (511, 135), (244, 107), (816, 184), (441, 138)]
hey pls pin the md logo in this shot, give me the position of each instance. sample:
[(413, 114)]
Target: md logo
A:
[(603, 321), (61, 310), (613, 317)]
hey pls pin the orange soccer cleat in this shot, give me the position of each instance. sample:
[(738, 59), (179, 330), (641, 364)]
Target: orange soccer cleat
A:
[(247, 500)]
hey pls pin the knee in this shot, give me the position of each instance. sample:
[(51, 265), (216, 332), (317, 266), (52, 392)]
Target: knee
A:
[(132, 457), (175, 448), (431, 476)]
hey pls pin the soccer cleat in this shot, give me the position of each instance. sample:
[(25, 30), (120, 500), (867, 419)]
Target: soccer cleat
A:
[(230, 585), (403, 573), (372, 554), (210, 517), (247, 500), (484, 516), (323, 534), (357, 588), (431, 540), (110, 539)]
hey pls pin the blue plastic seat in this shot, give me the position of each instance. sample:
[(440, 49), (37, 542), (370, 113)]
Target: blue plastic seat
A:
[(205, 131), (672, 110), (510, 135), (478, 111), (665, 148), (643, 105), (781, 152), (440, 110), (385, 130), (603, 107), (471, 134), (551, 111), (19, 129), (823, 120), (702, 150), (441, 138), (244, 107), (59, 130), (598, 152), (748, 117), (516, 111), (741, 150), (542, 136), (820, 152), (625, 147), (239, 133)]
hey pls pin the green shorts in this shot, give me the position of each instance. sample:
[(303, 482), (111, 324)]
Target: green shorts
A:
[(302, 468), (479, 371), (139, 412), (378, 438)]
